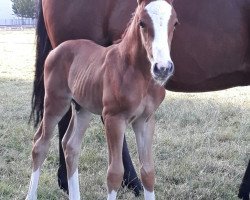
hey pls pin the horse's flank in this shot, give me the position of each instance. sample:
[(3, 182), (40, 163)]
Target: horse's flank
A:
[(85, 81)]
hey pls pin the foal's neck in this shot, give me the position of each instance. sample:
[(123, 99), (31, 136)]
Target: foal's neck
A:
[(132, 48)]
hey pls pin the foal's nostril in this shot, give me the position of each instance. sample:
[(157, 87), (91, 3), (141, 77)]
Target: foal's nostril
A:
[(163, 69), (159, 68), (156, 70)]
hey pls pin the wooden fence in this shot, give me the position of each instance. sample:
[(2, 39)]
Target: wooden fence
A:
[(18, 22)]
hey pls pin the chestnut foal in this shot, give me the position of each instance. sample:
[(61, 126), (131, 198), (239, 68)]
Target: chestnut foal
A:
[(121, 82)]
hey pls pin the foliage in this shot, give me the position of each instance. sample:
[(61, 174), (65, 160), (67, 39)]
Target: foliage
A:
[(24, 8)]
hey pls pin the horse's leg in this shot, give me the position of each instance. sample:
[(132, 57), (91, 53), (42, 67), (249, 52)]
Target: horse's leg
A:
[(244, 190), (53, 112), (62, 171), (114, 129), (32, 193), (72, 146), (43, 48), (130, 177), (144, 131)]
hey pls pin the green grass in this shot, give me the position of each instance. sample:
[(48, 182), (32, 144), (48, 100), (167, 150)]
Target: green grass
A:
[(201, 143)]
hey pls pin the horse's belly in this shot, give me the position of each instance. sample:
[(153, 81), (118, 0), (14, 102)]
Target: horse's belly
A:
[(91, 106), (89, 99), (87, 92)]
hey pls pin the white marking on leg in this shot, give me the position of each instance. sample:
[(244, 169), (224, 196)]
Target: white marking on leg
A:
[(73, 182), (112, 195), (149, 195), (32, 193)]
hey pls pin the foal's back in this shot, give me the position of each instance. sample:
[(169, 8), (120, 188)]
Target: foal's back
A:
[(78, 64)]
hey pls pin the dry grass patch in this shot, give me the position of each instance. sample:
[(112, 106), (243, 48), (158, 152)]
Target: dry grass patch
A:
[(202, 141)]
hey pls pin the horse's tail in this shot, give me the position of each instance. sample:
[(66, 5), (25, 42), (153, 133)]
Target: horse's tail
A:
[(43, 46)]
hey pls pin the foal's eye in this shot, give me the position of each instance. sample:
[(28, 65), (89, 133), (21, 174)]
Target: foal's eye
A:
[(142, 24)]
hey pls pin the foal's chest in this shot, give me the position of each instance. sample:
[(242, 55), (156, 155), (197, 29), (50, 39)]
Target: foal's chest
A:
[(147, 106)]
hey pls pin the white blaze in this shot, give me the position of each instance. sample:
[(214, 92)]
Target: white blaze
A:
[(160, 13)]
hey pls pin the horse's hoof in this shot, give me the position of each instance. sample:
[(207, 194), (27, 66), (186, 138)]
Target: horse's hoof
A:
[(137, 191), (62, 181), (244, 196), (244, 192), (134, 185)]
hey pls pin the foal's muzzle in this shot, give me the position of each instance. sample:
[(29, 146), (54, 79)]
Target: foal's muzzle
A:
[(163, 71)]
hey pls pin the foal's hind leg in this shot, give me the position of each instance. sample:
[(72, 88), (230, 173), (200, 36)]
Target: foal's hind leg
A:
[(53, 111), (144, 131), (72, 146)]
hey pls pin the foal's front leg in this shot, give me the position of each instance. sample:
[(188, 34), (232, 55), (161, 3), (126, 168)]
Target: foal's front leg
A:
[(72, 145), (114, 127), (144, 130)]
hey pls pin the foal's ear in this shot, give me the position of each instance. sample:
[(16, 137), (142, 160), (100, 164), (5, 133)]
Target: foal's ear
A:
[(170, 1), (140, 1)]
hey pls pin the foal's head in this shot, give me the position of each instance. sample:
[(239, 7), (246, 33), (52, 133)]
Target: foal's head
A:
[(157, 20)]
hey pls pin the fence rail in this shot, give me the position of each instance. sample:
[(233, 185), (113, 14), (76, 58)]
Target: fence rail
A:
[(26, 22)]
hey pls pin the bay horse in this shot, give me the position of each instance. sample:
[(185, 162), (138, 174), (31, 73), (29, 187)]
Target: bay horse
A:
[(211, 51), (123, 83)]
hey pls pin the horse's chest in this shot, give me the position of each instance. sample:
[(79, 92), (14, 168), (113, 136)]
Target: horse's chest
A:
[(146, 106)]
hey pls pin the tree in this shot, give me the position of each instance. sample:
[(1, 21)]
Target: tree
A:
[(24, 8)]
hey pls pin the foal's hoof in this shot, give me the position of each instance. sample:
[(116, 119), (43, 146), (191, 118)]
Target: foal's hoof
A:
[(62, 180), (244, 191), (134, 185)]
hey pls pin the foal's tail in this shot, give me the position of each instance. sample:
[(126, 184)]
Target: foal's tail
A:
[(43, 46)]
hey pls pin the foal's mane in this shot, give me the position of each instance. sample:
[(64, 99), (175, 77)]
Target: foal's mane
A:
[(126, 30), (133, 17)]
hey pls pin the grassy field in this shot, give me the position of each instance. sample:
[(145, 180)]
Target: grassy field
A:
[(201, 143)]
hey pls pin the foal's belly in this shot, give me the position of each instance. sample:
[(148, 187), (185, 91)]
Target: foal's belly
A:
[(87, 92), (89, 98)]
